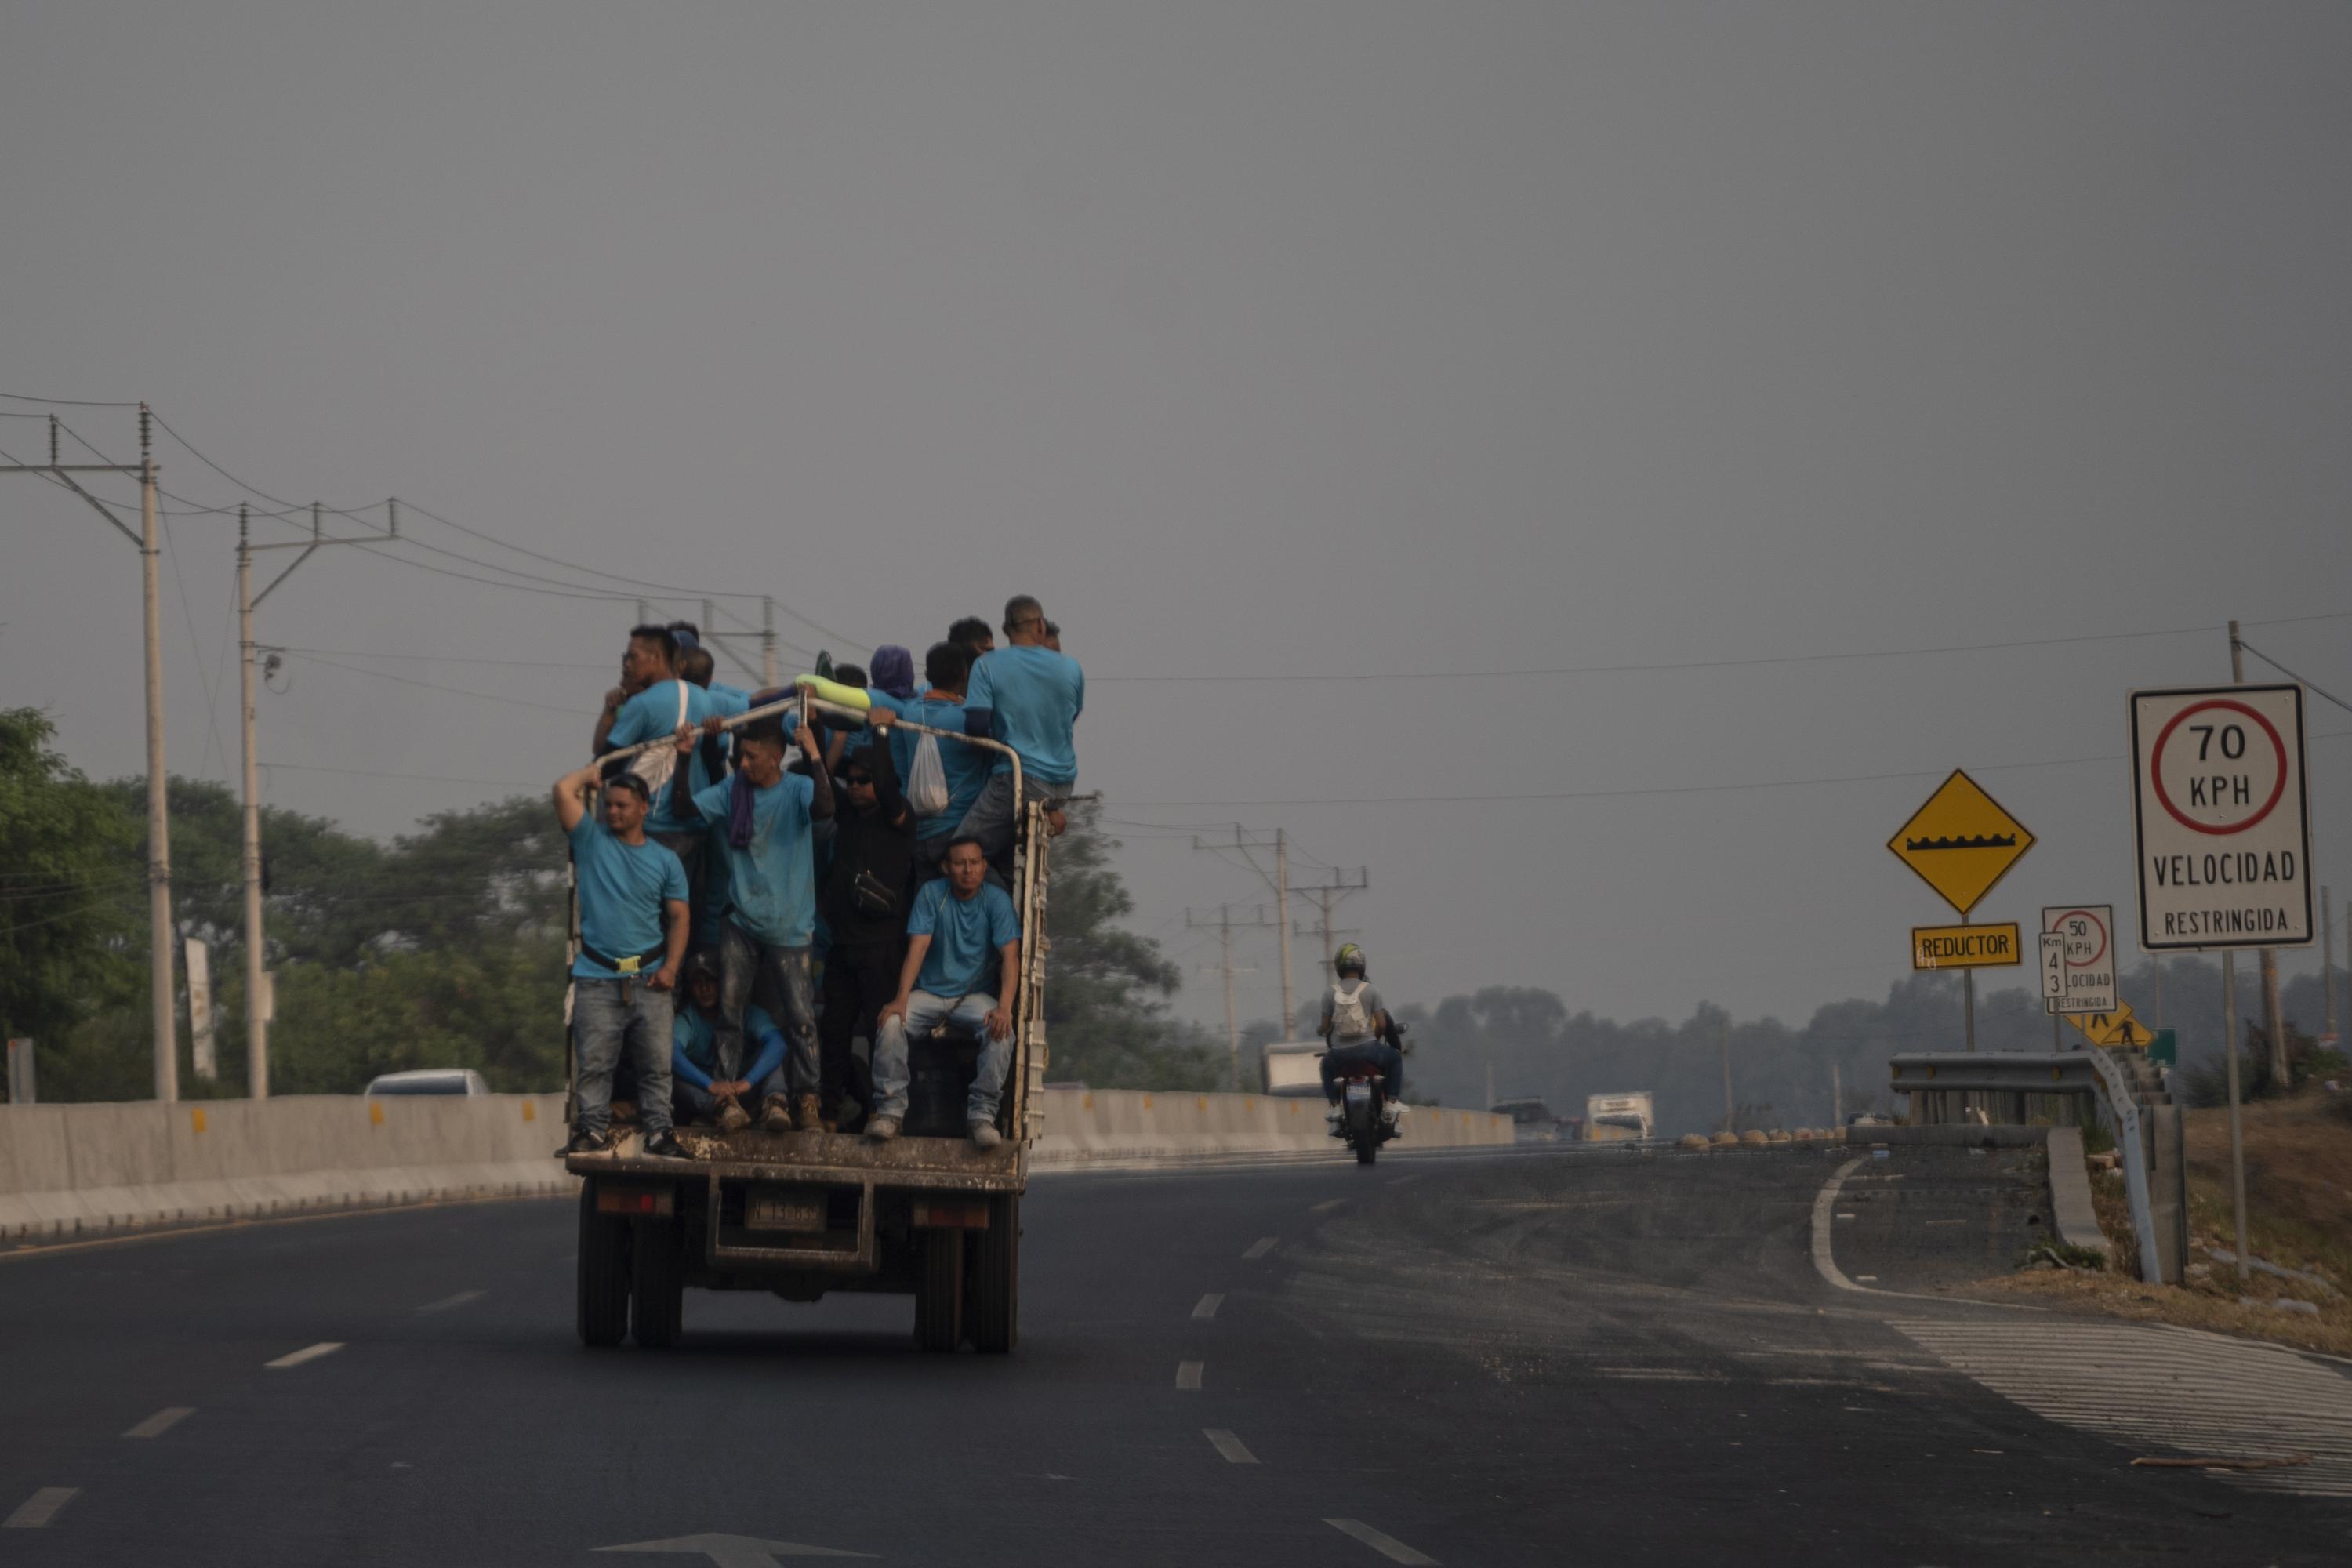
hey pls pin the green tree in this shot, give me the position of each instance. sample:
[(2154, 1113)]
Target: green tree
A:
[(70, 884)]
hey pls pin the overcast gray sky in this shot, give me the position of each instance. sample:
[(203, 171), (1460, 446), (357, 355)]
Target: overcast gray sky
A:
[(1258, 340)]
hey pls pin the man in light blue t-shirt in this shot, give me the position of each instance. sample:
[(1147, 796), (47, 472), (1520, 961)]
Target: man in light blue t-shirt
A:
[(964, 767), (653, 701), (630, 889), (963, 968), (1028, 697), (760, 821)]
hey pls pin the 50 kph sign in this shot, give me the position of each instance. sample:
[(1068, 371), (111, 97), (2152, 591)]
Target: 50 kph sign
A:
[(2222, 834)]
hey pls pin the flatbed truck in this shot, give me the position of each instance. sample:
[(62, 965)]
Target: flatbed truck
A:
[(802, 1215)]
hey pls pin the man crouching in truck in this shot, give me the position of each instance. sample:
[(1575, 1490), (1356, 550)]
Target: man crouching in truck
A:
[(628, 885), (962, 930)]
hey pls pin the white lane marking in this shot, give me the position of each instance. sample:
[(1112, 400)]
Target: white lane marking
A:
[(162, 1421), (36, 1511), (1208, 1305), (1387, 1546), (1188, 1374), (1262, 1245), (1825, 1262), (310, 1353), (1326, 1207), (459, 1299), (1231, 1446), (1659, 1374), (2155, 1387)]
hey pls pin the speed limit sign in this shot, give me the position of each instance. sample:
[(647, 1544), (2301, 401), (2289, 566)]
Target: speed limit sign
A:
[(2219, 817), (2084, 935)]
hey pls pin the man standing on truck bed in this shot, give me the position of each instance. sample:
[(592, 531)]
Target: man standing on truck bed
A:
[(763, 817), (629, 885), (961, 930), (653, 701), (1028, 697), (864, 907)]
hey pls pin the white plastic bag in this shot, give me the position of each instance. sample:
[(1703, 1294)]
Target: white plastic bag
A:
[(658, 761), (927, 780)]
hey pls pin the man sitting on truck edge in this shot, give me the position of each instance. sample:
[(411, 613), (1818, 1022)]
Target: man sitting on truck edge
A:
[(621, 983), (1353, 1024), (762, 819), (1028, 697), (961, 929), (700, 1087)]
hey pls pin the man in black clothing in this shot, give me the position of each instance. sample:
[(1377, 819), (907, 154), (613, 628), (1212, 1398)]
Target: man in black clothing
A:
[(864, 902)]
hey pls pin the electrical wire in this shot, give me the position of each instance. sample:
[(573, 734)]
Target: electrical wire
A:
[(421, 778), (434, 686), (62, 402), (213, 741), (2293, 676)]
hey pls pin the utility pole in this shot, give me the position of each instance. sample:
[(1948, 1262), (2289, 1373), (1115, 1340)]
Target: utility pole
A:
[(1837, 1097), (1282, 926), (2156, 977), (2273, 1019), (2327, 960), (162, 995), (723, 642), (1223, 926), (256, 1026), (1338, 886), (1726, 1075), (2237, 1130), (767, 641)]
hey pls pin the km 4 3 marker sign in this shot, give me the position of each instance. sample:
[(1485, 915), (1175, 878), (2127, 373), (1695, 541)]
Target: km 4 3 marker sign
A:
[(2219, 817)]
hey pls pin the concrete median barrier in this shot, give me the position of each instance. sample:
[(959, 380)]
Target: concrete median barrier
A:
[(68, 1170)]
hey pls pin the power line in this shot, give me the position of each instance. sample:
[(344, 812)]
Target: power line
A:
[(63, 402), (454, 658), (435, 686), (1653, 790), (421, 778), (2292, 676)]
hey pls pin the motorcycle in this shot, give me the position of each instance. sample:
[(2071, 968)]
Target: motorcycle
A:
[(1363, 1122)]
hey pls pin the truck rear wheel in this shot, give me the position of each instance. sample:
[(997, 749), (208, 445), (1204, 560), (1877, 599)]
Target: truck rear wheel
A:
[(939, 1291), (658, 1292), (992, 1279), (604, 1273)]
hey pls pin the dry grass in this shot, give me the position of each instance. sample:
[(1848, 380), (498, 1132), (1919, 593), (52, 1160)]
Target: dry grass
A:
[(2299, 1214)]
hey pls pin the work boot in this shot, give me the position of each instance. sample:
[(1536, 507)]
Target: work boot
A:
[(808, 1115), (663, 1145), (881, 1130), (984, 1135), (585, 1143), (733, 1118), (776, 1116)]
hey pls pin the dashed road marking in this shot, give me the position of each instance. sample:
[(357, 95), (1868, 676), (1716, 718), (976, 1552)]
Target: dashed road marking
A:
[(162, 1421), (308, 1353), (1188, 1374), (1659, 1374), (459, 1299), (1387, 1546), (1262, 1245), (1207, 1306), (1326, 1206), (36, 1511), (1235, 1451)]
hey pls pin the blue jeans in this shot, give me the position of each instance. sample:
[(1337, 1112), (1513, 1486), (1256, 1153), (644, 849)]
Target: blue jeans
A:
[(964, 1015), (692, 1099), (602, 1028), (779, 979), (996, 820), (1385, 1056)]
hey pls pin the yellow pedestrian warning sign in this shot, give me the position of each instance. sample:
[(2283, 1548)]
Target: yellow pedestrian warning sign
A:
[(1964, 947), (2116, 1028), (1961, 842)]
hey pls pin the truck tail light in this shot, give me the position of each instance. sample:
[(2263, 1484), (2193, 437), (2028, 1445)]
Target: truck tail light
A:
[(614, 1198)]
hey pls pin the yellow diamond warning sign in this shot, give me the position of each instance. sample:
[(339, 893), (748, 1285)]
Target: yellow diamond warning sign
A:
[(1961, 842), (2116, 1028)]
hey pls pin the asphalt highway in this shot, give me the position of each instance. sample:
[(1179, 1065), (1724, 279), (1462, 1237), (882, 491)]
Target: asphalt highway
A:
[(1528, 1357)]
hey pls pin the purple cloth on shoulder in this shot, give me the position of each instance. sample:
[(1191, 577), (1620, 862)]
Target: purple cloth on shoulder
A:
[(738, 811)]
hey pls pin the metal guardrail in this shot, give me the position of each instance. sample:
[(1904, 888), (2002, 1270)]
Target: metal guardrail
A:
[(2035, 1072)]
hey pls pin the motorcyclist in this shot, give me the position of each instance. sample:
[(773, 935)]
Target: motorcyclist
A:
[(1354, 1027)]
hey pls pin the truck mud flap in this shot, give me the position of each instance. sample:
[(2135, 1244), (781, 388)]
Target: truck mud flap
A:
[(825, 1252)]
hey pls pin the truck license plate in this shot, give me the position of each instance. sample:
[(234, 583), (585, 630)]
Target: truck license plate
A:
[(786, 1210)]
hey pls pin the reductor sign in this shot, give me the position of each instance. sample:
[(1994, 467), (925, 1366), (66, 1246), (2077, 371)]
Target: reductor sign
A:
[(2219, 817), (1965, 947)]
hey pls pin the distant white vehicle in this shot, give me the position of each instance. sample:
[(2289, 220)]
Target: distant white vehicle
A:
[(1612, 1118), (429, 1080), (1294, 1069)]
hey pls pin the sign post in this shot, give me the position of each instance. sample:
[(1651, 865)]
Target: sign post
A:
[(21, 1089), (2054, 980), (1960, 843)]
